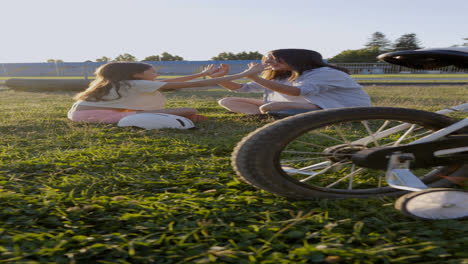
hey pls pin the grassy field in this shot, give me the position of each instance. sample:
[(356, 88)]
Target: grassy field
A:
[(90, 193)]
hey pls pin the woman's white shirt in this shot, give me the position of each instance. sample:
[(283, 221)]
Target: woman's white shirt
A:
[(325, 87)]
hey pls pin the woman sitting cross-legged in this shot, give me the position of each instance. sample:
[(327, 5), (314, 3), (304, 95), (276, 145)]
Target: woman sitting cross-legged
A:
[(294, 80)]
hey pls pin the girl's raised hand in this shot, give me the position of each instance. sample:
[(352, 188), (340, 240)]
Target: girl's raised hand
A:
[(208, 70), (222, 70)]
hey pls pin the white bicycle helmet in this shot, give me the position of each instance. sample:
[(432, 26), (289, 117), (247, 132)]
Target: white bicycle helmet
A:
[(156, 121)]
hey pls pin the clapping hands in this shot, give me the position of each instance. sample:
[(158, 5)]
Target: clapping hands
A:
[(214, 72), (223, 69), (254, 69), (208, 70)]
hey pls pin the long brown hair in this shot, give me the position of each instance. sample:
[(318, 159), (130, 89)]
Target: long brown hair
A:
[(113, 74), (299, 60)]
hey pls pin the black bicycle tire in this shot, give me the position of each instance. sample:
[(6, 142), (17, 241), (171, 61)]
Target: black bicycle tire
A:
[(254, 157)]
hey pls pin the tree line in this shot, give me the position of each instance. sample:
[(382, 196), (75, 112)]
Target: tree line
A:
[(376, 45), (165, 56)]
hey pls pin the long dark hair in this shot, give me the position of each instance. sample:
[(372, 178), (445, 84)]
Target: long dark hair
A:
[(109, 75), (300, 60)]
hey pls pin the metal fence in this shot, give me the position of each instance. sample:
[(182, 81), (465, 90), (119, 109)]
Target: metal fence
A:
[(87, 69)]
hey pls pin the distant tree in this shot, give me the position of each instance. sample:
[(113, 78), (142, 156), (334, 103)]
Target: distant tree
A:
[(54, 60), (379, 41), (125, 57), (466, 43), (168, 57), (103, 59), (407, 42), (152, 58), (255, 55), (225, 56), (360, 55), (165, 56)]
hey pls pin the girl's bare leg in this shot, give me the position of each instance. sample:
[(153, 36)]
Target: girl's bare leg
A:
[(182, 111), (241, 105), (276, 106)]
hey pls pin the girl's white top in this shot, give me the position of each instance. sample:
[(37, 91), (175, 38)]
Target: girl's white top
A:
[(137, 95), (325, 87)]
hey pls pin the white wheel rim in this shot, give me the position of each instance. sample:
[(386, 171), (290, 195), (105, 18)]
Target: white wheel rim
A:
[(439, 205)]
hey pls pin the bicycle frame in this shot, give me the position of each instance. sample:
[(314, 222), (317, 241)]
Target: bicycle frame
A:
[(398, 174)]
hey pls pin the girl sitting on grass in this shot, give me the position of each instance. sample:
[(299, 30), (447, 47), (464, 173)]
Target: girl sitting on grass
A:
[(127, 88)]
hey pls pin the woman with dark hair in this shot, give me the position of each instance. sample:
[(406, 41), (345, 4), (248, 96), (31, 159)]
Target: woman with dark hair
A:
[(294, 79)]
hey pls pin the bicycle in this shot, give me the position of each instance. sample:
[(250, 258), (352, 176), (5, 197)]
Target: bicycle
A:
[(362, 152)]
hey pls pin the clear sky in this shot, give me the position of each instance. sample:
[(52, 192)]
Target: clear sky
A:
[(79, 30)]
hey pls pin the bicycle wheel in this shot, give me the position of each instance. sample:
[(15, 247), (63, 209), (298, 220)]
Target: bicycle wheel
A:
[(308, 156), (434, 204)]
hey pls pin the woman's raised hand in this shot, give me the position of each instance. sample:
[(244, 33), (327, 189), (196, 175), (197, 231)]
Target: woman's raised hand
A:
[(254, 68), (222, 70)]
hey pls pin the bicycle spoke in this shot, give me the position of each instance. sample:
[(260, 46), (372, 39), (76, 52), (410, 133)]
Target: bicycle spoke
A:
[(324, 170), (369, 131), (317, 166), (350, 184), (296, 171), (416, 136), (310, 144), (341, 134), (327, 136), (410, 130), (384, 125), (379, 184), (302, 152), (310, 168), (289, 161), (364, 141), (345, 177)]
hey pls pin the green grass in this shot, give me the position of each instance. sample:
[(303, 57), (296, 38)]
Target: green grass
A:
[(90, 193)]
